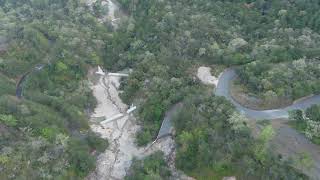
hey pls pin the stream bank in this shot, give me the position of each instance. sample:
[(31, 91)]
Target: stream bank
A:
[(116, 160)]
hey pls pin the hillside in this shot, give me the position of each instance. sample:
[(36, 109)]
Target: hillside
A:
[(44, 129), (268, 51)]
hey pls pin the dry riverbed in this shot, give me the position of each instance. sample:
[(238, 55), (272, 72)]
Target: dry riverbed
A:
[(120, 133), (116, 160)]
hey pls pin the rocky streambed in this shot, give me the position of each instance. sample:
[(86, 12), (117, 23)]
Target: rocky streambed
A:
[(120, 133)]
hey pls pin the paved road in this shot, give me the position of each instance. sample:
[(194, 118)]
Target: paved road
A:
[(288, 141), (19, 88), (166, 126), (223, 89)]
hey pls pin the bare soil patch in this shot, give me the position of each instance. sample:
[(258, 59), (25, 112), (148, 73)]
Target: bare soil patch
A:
[(291, 144)]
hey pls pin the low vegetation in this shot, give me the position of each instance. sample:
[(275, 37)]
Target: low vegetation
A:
[(274, 43), (152, 167), (281, 83)]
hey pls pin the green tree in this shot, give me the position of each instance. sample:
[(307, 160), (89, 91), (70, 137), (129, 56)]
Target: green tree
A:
[(260, 150), (8, 120), (152, 167)]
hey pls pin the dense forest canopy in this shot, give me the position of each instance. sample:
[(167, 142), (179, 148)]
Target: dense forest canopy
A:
[(45, 135), (274, 44), (214, 140)]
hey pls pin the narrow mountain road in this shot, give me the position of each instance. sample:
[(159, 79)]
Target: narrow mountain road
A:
[(223, 89), (288, 142), (19, 88)]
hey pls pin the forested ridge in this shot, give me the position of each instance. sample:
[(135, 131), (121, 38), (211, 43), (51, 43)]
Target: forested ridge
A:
[(274, 44), (45, 134), (214, 140)]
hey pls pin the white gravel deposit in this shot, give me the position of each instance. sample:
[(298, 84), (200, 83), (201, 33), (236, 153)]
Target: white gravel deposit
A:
[(116, 160), (204, 75)]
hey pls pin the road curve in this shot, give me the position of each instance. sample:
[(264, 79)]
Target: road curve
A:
[(223, 89), (19, 88)]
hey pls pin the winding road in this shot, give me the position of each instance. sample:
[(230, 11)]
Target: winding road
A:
[(19, 88), (288, 141), (223, 89)]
